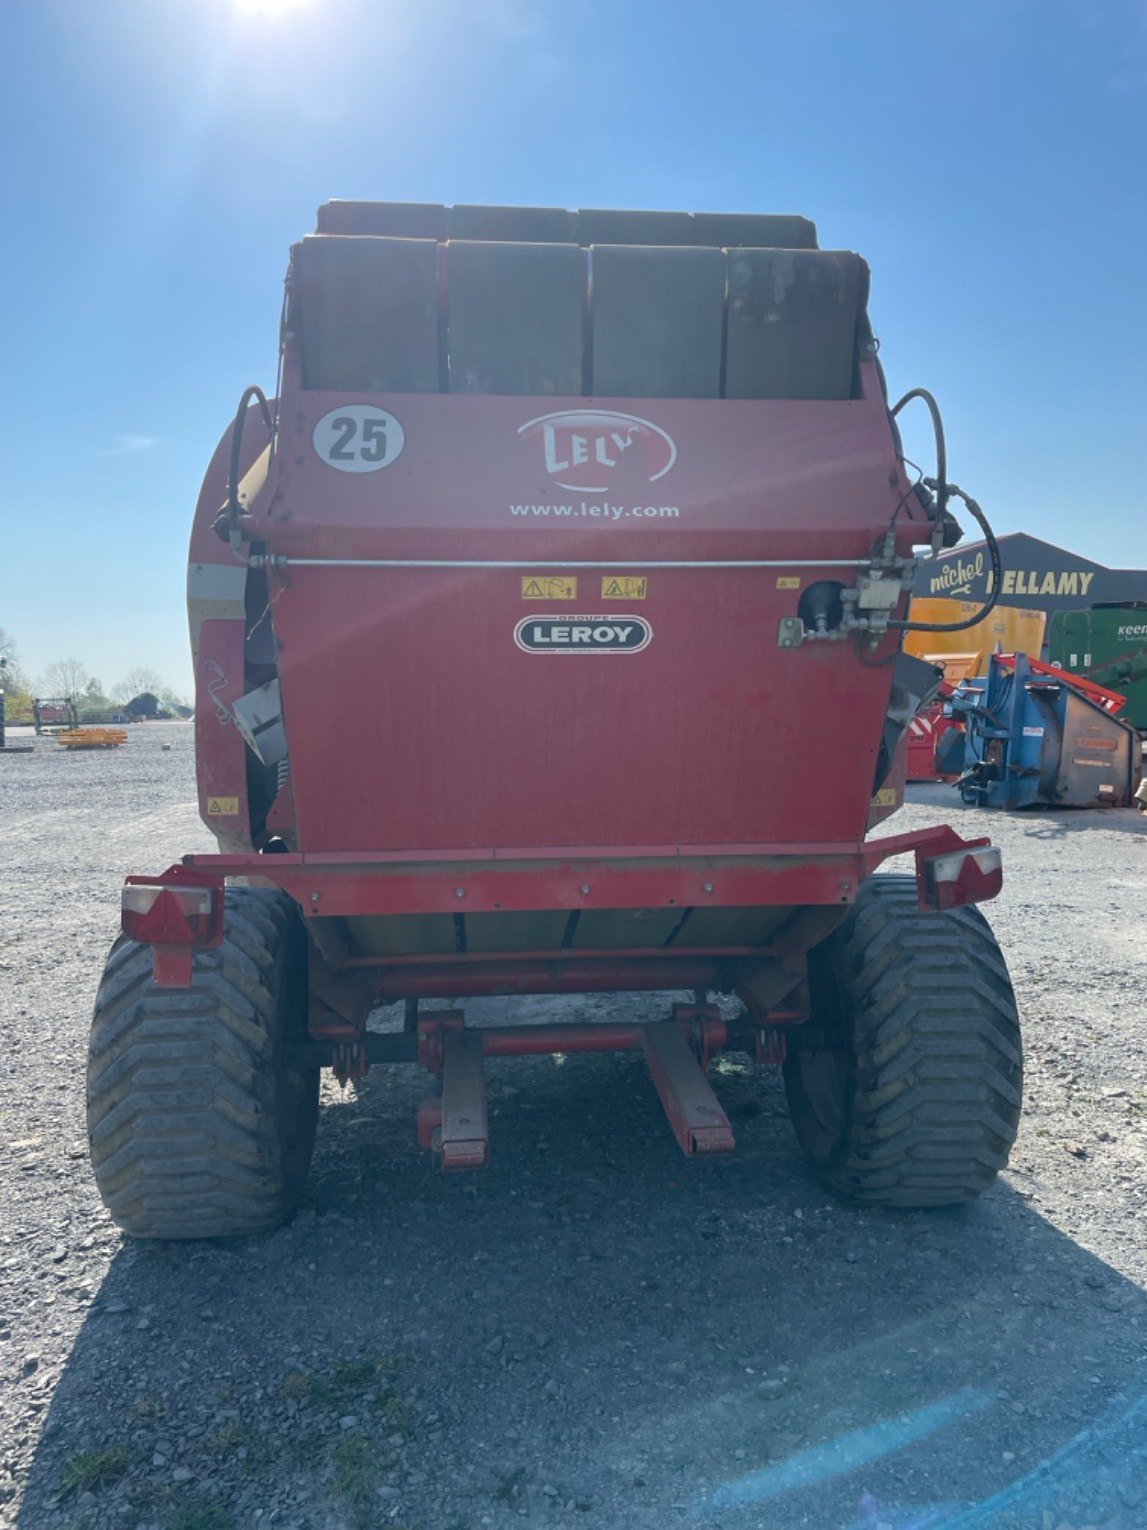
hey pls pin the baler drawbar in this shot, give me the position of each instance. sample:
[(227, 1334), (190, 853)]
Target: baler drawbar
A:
[(657, 448)]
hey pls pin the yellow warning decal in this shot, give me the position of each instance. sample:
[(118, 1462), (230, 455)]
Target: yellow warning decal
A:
[(623, 587), (547, 587), (222, 807), (788, 582), (885, 797)]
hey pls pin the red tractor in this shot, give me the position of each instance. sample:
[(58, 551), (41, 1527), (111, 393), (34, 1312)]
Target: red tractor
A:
[(598, 525)]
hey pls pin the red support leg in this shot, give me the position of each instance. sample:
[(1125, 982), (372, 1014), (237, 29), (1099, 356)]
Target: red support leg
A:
[(698, 1122), (465, 1142)]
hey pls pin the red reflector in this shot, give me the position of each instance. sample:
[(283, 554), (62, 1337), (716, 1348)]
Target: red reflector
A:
[(171, 916), (961, 876)]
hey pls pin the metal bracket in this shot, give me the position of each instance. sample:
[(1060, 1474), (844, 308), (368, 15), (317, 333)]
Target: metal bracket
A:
[(171, 966), (349, 1060), (704, 1029), (867, 608), (454, 1123), (432, 1033), (772, 1046)]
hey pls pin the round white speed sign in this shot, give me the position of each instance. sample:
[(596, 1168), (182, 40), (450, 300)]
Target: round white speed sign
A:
[(358, 438)]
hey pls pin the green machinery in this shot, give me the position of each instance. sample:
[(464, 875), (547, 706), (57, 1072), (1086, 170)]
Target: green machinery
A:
[(1108, 644)]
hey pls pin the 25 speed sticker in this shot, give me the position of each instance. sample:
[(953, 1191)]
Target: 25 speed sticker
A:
[(583, 634), (358, 438)]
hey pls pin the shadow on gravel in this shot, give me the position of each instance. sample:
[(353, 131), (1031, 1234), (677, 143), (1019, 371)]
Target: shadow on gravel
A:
[(1058, 825), (599, 1332), (1036, 823)]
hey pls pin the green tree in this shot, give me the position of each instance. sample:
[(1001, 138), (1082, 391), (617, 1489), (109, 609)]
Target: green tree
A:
[(94, 702), (13, 680)]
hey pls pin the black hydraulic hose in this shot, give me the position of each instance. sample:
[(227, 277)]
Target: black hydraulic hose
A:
[(943, 491), (993, 546), (933, 408), (227, 521)]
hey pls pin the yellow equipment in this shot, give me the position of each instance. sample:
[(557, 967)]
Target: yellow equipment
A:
[(92, 738), (1006, 629)]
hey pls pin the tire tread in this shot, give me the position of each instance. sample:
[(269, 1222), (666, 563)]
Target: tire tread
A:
[(185, 1137), (937, 1058)]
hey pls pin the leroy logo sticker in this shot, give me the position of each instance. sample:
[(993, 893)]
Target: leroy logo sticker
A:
[(583, 634), (584, 448)]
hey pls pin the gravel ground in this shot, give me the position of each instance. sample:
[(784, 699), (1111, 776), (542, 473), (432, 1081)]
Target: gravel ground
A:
[(594, 1332)]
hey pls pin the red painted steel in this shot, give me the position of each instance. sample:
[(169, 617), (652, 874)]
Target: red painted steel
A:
[(924, 734), (568, 757), (641, 877), (698, 1122), (553, 974), (702, 769), (379, 885), (574, 955), (760, 875), (463, 1134), (547, 1040), (1109, 700)]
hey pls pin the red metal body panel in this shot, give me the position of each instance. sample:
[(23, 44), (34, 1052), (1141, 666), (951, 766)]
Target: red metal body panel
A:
[(473, 742), (332, 888), (488, 881), (924, 733), (565, 753), (440, 767), (801, 479)]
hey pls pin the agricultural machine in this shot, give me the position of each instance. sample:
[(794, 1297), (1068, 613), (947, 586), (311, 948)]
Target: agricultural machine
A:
[(599, 524), (1107, 644), (54, 714), (1036, 736), (961, 652)]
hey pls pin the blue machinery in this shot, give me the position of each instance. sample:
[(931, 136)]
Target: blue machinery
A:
[(1034, 736)]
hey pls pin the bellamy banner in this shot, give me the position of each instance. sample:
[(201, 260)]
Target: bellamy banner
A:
[(1035, 574)]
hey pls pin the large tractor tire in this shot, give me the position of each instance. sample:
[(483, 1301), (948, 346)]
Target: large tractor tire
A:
[(915, 1098), (197, 1127)]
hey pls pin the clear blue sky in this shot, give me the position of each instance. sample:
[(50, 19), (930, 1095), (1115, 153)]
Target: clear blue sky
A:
[(985, 156)]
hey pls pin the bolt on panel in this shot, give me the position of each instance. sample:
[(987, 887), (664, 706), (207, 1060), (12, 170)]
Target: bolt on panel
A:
[(792, 319), (515, 318), (367, 313), (656, 316), (603, 225), (518, 225), (392, 220), (754, 230)]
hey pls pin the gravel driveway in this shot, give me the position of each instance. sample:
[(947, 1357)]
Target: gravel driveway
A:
[(595, 1332)]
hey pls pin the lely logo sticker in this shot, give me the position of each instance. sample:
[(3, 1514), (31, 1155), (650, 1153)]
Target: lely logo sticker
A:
[(583, 634), (358, 438), (584, 448)]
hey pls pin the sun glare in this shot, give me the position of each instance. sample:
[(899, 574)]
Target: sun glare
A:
[(269, 7)]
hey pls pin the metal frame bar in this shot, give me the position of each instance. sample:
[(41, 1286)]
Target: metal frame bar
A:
[(342, 883), (285, 560)]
